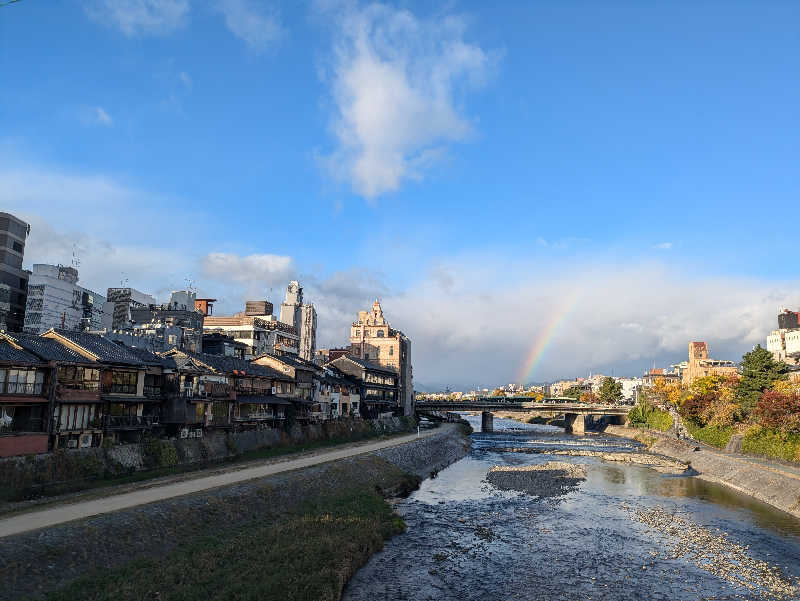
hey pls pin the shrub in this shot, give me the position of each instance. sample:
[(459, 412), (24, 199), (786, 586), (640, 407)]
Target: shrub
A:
[(763, 441), (717, 436), (779, 411), (659, 420)]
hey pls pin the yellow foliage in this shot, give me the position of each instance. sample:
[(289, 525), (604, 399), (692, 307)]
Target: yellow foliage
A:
[(786, 386), (663, 392)]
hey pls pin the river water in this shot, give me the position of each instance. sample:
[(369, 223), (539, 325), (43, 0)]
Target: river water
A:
[(627, 532)]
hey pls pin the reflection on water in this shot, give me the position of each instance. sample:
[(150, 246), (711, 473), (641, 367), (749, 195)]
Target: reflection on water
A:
[(467, 540)]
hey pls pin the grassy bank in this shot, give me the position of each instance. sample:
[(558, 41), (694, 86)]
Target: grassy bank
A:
[(307, 554), (712, 435), (762, 441)]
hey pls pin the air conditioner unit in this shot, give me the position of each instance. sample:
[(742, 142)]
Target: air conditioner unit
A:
[(85, 441)]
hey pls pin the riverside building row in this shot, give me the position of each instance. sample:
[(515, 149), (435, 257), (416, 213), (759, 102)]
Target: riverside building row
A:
[(70, 389)]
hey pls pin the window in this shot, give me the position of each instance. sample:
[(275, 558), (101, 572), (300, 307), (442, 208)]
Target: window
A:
[(391, 351), (17, 246), (21, 381), (379, 333), (78, 378), (122, 382)]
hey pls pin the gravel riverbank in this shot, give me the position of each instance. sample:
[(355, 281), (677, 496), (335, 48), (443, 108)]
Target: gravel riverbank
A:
[(545, 481)]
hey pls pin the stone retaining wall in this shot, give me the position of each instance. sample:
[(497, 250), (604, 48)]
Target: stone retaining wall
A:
[(767, 482), (26, 474)]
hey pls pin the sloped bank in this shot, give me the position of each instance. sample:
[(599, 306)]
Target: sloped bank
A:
[(770, 484), (68, 470), (295, 535)]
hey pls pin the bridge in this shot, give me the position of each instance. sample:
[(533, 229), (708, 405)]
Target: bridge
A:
[(574, 412)]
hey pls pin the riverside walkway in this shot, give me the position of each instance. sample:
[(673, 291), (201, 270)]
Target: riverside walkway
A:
[(68, 512)]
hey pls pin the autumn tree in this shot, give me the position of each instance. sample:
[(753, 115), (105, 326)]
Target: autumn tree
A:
[(759, 372), (610, 391), (498, 392), (779, 411), (589, 397)]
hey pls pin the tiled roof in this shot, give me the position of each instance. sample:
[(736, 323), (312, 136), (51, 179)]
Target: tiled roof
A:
[(106, 350), (294, 361), (148, 357), (49, 349), (9, 354), (229, 364), (367, 364)]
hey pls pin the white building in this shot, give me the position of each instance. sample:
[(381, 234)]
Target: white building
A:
[(56, 301), (303, 317)]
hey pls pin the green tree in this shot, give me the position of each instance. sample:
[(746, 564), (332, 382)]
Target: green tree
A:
[(759, 372), (574, 392), (610, 391)]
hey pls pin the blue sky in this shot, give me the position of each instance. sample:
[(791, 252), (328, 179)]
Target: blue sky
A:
[(470, 163)]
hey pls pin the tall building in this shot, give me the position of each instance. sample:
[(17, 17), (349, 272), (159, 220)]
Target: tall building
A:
[(303, 317), (119, 302), (256, 328), (784, 343), (372, 339), (159, 328), (56, 301), (700, 365), (13, 279)]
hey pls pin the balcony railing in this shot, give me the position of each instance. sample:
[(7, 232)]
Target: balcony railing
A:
[(123, 422), (34, 389), (152, 392), (258, 415), (120, 389), (23, 425)]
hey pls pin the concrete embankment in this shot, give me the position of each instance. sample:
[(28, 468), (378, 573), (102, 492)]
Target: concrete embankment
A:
[(38, 562), (771, 483)]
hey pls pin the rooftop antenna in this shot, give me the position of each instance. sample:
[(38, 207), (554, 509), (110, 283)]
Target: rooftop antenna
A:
[(189, 283), (123, 281)]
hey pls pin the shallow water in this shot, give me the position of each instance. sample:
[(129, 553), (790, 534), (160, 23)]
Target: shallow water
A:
[(466, 540)]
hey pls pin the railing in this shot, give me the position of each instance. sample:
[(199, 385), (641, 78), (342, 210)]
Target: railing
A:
[(121, 422), (152, 392), (34, 388), (120, 389), (79, 385), (258, 415), (26, 425)]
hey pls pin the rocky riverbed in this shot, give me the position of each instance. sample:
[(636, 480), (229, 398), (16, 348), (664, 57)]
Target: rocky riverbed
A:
[(715, 553), (485, 528), (548, 480), (657, 462)]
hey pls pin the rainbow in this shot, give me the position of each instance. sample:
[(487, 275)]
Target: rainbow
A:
[(546, 335)]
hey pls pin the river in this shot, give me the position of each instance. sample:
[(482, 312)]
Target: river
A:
[(626, 532)]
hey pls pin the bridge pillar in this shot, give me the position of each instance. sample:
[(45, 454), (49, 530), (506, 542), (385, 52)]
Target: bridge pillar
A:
[(487, 421), (574, 423)]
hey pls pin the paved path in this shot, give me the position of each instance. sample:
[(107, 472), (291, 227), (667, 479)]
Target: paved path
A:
[(83, 509)]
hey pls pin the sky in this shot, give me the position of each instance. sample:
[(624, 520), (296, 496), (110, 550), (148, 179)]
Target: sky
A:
[(534, 190)]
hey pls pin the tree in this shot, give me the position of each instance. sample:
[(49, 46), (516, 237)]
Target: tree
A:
[(574, 392), (779, 411), (759, 372), (610, 391), (589, 397), (498, 392), (536, 396)]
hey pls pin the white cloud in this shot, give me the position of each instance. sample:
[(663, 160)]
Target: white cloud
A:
[(102, 117), (254, 273), (139, 17), (185, 79), (480, 331), (395, 82), (663, 246), (259, 28)]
